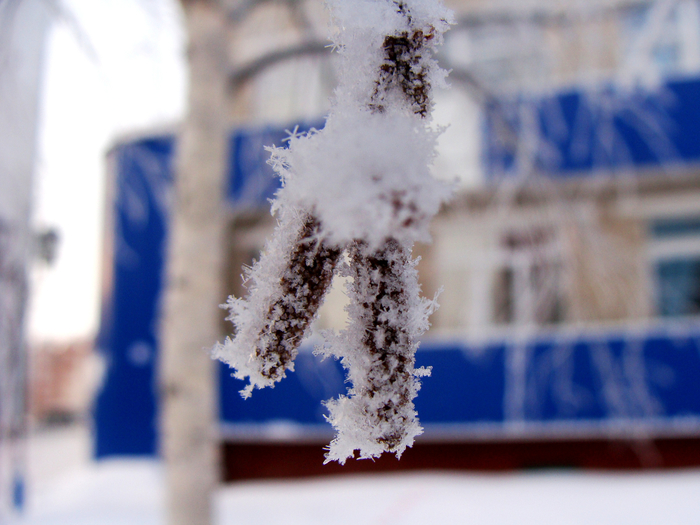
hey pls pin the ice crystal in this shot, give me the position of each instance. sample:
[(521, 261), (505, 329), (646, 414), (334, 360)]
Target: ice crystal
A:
[(362, 185), (286, 288), (387, 315)]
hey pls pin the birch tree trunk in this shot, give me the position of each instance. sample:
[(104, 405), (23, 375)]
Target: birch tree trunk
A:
[(194, 275)]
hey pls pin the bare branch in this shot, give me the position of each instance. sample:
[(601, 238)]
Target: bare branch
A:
[(248, 71), (237, 11), (473, 85)]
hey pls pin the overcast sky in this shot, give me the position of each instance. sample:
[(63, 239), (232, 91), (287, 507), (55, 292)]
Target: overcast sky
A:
[(112, 67)]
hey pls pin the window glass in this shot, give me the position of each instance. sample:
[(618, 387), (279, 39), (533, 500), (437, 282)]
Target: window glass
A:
[(677, 266), (527, 286), (678, 287)]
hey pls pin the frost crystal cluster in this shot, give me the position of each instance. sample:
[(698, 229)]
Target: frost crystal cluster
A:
[(361, 186)]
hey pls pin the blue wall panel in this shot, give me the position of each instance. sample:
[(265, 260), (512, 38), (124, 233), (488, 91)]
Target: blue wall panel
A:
[(584, 132), (126, 405), (636, 377)]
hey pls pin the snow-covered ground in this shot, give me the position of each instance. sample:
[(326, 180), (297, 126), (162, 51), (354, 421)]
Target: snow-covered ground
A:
[(130, 492), (72, 490)]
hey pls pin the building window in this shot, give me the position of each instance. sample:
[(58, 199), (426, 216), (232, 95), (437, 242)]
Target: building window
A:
[(678, 287), (527, 285), (675, 252)]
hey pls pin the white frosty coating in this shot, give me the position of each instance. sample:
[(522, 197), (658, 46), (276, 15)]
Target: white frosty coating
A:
[(386, 317), (366, 176), (363, 183), (285, 289), (362, 26), (249, 316)]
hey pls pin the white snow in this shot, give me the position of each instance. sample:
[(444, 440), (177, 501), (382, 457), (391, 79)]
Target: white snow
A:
[(65, 488), (130, 492), (367, 176)]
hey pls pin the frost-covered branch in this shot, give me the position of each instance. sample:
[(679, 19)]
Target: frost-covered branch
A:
[(287, 288), (361, 185), (387, 315)]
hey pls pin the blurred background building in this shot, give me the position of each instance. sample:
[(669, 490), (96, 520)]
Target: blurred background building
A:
[(569, 257)]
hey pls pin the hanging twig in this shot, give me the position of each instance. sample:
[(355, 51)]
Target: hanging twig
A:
[(364, 185)]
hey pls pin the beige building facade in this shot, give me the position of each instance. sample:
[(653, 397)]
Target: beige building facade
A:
[(531, 251)]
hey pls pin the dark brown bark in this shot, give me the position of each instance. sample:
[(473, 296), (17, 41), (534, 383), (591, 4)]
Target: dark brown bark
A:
[(302, 289)]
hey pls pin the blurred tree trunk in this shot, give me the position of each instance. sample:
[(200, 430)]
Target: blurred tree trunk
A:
[(24, 26), (194, 276), (194, 289)]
